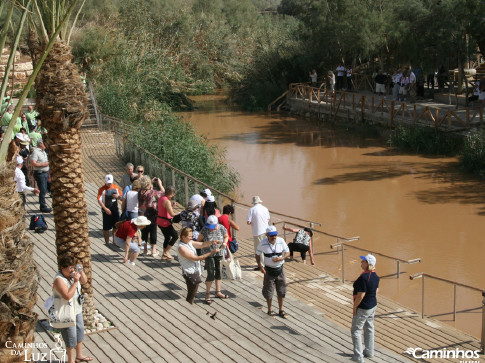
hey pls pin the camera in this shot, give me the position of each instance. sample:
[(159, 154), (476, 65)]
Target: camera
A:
[(80, 299), (79, 267)]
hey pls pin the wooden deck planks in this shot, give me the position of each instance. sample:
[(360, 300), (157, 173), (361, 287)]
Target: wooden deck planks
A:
[(147, 303)]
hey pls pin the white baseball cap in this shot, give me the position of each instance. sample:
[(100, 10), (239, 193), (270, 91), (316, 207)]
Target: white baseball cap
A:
[(108, 179), (212, 222), (371, 260), (271, 231)]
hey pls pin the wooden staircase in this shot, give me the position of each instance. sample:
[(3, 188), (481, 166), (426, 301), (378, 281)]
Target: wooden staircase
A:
[(91, 121)]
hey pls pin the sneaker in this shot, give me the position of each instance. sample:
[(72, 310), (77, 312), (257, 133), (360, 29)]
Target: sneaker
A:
[(128, 261), (133, 263)]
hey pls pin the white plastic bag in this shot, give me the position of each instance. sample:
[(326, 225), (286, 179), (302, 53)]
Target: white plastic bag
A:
[(232, 268)]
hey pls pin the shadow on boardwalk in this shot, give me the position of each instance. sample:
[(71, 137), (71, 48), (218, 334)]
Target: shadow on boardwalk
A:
[(155, 324)]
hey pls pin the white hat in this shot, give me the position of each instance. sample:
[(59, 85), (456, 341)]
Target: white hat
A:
[(371, 260), (20, 160), (210, 198), (108, 179), (207, 191), (19, 135), (141, 221), (211, 222), (271, 231), (257, 199)]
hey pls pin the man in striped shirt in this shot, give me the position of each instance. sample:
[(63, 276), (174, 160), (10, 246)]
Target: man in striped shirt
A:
[(274, 251)]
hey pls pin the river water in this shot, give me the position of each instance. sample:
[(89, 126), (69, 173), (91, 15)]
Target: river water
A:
[(401, 205)]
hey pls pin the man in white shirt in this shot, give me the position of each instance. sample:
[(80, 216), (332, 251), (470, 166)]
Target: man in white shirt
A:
[(258, 218), (39, 161), (274, 250), (340, 76), (20, 180)]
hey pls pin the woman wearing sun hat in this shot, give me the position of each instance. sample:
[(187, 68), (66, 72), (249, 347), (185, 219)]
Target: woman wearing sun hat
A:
[(365, 304), (128, 236)]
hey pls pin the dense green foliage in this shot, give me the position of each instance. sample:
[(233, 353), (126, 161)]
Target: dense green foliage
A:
[(425, 140), (472, 157)]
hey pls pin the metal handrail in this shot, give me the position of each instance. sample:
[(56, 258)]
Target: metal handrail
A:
[(341, 247), (95, 105), (455, 284)]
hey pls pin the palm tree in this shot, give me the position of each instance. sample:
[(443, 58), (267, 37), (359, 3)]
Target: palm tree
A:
[(62, 104), (18, 272)]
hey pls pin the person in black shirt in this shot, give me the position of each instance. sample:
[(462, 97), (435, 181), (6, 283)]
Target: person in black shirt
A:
[(365, 303)]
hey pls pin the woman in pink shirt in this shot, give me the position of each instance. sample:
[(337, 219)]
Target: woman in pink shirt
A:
[(164, 221)]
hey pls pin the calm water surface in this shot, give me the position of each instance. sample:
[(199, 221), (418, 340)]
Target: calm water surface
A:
[(400, 205)]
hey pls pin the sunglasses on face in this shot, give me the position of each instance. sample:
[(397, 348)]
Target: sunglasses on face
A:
[(140, 171)]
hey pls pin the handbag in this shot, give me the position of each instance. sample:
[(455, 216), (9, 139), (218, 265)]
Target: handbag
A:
[(194, 278), (61, 313), (233, 246), (232, 268)]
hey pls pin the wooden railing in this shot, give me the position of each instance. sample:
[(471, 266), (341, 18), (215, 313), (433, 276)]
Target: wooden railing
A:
[(389, 111)]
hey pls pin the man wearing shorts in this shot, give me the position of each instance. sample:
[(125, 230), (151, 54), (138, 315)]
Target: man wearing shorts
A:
[(381, 84), (274, 251), (108, 196)]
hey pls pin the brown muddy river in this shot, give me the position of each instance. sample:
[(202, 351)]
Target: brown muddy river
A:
[(401, 205)]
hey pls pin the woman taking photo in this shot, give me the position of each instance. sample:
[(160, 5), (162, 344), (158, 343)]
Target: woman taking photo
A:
[(217, 233), (67, 286), (365, 303), (190, 262)]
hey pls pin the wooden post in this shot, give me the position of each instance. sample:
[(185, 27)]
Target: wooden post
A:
[(196, 187), (392, 112), (173, 178), (163, 175), (362, 108), (186, 186)]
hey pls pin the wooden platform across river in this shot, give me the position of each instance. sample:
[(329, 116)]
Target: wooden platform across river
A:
[(154, 323), (358, 107)]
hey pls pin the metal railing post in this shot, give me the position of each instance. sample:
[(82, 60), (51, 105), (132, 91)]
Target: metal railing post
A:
[(454, 302), (398, 268), (483, 323), (422, 299), (343, 262)]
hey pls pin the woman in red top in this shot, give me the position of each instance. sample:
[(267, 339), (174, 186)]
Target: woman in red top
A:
[(165, 214), (128, 237), (227, 221)]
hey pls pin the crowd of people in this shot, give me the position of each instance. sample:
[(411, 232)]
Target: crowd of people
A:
[(28, 149), (404, 84)]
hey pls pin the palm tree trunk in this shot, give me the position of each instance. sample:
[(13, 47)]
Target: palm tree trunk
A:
[(62, 104), (19, 277)]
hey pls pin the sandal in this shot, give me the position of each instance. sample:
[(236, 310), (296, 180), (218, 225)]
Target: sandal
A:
[(221, 295), (282, 314), (167, 257), (208, 301), (84, 359), (270, 312)]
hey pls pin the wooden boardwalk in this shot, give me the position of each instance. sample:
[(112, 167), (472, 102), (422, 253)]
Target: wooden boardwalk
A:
[(359, 106), (155, 324)]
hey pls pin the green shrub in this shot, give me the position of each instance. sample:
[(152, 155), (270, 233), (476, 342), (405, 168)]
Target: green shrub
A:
[(425, 140), (472, 156)]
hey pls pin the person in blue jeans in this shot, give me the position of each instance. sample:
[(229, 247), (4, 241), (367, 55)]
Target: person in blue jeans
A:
[(365, 304), (40, 162)]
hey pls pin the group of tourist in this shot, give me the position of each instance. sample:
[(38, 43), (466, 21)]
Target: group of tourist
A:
[(28, 149)]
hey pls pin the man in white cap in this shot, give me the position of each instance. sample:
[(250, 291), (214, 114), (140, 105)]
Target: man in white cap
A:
[(258, 218), (20, 180), (365, 304), (108, 196), (274, 250), (40, 162)]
